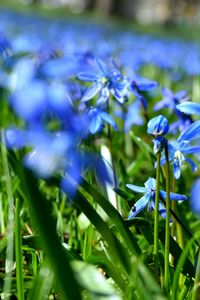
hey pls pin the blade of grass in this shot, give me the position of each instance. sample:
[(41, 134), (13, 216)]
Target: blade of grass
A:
[(179, 267), (111, 211), (42, 214), (10, 233), (18, 252)]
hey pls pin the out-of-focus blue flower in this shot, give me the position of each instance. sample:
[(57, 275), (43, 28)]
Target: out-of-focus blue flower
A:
[(132, 117), (195, 197), (148, 199), (105, 82), (171, 100), (79, 162), (179, 149), (48, 154), (97, 117), (139, 85), (189, 108), (5, 46), (16, 138), (158, 126)]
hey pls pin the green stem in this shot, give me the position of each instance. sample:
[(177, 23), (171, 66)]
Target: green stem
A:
[(167, 226), (18, 253), (196, 289), (156, 214), (10, 230)]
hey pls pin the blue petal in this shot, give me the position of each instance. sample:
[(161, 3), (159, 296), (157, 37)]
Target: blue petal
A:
[(137, 189), (95, 124), (102, 66), (192, 149), (91, 91), (189, 108), (180, 95), (195, 199), (173, 196), (167, 93), (162, 211), (161, 104), (30, 101), (176, 170), (87, 76), (191, 132), (163, 161), (150, 184), (144, 84), (15, 138), (105, 93), (107, 118), (139, 205)]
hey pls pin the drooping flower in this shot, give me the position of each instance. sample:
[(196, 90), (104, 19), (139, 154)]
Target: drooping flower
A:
[(139, 85), (97, 117), (148, 199), (158, 126)]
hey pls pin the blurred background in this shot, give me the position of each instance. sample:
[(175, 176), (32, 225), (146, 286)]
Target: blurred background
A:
[(165, 12)]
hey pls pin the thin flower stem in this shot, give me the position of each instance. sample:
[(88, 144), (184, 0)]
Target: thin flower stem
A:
[(156, 214), (173, 207), (167, 226)]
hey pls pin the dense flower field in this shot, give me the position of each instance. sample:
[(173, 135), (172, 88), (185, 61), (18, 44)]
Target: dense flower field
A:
[(100, 152)]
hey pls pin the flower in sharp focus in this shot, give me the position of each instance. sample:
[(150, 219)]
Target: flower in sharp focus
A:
[(158, 126), (148, 199)]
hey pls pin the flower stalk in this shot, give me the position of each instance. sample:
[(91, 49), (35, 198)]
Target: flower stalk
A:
[(156, 214), (167, 226)]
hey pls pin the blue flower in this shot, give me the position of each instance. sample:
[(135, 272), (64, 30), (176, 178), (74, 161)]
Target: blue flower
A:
[(5, 46), (148, 199), (170, 99), (139, 85), (97, 117), (195, 200), (132, 117), (179, 149), (158, 126), (189, 108), (105, 82)]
